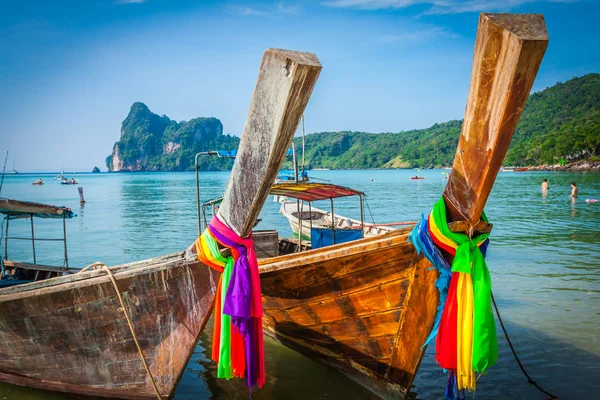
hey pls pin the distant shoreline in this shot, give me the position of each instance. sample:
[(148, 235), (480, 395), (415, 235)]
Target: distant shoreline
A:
[(577, 166)]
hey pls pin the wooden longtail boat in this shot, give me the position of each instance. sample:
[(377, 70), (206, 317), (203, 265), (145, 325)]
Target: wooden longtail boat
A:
[(366, 307), (72, 333)]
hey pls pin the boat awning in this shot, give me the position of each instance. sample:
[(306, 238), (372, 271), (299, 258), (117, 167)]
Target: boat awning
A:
[(309, 191), (15, 209)]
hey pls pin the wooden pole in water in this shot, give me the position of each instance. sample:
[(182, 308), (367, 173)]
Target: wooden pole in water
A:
[(285, 82), (32, 240), (508, 52), (6, 239)]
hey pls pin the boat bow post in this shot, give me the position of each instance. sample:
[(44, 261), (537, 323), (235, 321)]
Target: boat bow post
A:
[(508, 52), (282, 91), (283, 88)]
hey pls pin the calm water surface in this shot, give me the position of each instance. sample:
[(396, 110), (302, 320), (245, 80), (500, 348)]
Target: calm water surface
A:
[(544, 262)]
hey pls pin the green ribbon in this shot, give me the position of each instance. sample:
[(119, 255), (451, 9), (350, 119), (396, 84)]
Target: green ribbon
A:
[(470, 260)]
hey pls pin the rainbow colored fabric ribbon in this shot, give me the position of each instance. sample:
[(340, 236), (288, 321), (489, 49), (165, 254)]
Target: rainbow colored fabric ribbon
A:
[(466, 336), (238, 344)]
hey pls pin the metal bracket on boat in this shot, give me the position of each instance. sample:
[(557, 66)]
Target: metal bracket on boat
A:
[(467, 228)]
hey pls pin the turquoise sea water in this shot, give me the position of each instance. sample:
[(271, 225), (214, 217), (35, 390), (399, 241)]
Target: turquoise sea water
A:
[(544, 260)]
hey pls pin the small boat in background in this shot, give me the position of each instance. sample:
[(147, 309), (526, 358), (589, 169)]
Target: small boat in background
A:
[(38, 182), (60, 176), (71, 181), (521, 169), (309, 217), (416, 177)]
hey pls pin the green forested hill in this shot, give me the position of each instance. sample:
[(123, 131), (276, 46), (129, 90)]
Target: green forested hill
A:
[(562, 121), (423, 147)]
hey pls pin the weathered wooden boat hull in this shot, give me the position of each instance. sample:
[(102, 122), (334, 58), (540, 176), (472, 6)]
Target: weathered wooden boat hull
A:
[(69, 333), (363, 307)]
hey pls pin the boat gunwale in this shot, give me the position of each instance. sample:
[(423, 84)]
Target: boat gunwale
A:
[(88, 278), (294, 260)]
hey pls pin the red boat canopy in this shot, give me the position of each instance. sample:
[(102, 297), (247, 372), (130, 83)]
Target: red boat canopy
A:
[(312, 191)]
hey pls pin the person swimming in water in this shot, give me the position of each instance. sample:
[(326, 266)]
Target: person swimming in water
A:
[(574, 190), (545, 187)]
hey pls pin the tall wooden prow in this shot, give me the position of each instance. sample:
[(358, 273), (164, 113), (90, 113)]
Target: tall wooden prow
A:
[(508, 52), (285, 83)]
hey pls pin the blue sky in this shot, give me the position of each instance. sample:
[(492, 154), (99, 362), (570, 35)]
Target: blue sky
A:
[(70, 70)]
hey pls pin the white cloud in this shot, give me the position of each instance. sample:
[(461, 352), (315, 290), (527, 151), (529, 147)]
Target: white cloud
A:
[(287, 8), (244, 10), (437, 6), (129, 1)]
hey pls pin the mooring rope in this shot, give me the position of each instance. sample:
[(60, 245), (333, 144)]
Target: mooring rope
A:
[(512, 349), (135, 339)]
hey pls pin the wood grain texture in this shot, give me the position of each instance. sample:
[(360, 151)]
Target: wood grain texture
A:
[(285, 82), (363, 307), (72, 336), (508, 52)]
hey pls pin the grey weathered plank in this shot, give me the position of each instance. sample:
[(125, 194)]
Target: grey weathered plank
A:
[(284, 85)]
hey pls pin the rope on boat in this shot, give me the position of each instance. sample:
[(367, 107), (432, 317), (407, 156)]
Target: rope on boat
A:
[(512, 349), (95, 266), (135, 339), (369, 208)]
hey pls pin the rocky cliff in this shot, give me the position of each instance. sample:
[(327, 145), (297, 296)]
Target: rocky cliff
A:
[(150, 142)]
